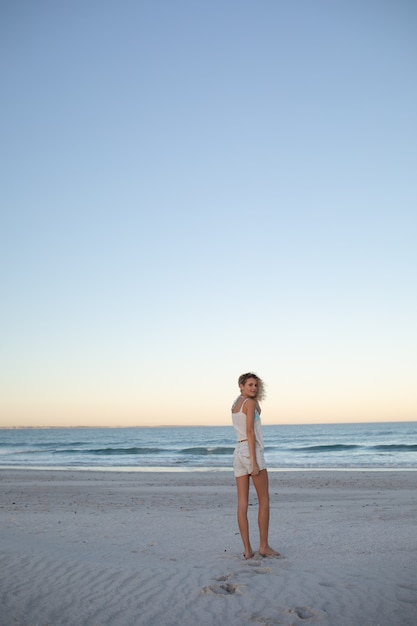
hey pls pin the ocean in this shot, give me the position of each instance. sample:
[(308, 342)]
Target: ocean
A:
[(376, 446)]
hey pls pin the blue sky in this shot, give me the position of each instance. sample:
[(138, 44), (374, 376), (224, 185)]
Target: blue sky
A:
[(192, 190)]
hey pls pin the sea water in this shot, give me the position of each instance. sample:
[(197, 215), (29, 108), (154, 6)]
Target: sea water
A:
[(331, 446)]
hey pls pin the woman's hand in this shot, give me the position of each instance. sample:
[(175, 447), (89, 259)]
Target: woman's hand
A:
[(255, 469)]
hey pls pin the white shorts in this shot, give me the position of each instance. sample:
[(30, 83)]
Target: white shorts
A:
[(242, 464)]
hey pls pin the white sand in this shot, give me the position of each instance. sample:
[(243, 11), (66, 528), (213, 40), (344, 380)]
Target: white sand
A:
[(98, 549)]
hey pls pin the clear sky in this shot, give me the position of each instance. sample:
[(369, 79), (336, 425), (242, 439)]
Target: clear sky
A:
[(195, 189)]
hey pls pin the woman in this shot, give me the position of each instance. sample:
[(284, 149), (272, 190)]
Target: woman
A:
[(248, 460)]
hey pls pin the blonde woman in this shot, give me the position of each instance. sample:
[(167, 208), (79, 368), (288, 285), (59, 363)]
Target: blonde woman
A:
[(248, 461)]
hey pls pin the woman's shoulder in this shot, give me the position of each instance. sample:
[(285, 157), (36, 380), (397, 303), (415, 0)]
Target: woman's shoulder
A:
[(249, 404), (242, 405), (239, 404)]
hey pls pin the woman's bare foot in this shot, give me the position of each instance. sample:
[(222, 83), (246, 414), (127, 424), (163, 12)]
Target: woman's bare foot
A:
[(248, 555), (268, 551)]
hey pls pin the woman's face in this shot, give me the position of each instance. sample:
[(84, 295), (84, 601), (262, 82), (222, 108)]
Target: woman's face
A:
[(250, 388)]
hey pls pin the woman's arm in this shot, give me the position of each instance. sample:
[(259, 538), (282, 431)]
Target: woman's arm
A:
[(250, 434)]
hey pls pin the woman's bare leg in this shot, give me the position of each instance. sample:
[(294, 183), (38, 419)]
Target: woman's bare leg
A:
[(262, 489), (242, 484)]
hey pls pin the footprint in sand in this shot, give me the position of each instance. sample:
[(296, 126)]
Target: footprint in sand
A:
[(225, 577), (283, 615), (304, 613), (226, 589)]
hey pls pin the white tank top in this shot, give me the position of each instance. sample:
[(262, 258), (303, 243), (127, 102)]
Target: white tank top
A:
[(239, 423)]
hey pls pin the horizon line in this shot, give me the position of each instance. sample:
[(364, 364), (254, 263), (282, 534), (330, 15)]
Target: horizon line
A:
[(265, 425)]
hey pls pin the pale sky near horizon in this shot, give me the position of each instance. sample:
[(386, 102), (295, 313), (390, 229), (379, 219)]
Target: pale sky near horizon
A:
[(192, 190)]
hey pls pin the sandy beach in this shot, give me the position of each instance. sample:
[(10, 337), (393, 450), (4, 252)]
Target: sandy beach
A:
[(161, 549)]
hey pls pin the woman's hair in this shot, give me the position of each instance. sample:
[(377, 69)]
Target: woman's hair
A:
[(261, 386)]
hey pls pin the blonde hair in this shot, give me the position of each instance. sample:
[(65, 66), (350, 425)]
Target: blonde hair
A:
[(261, 386)]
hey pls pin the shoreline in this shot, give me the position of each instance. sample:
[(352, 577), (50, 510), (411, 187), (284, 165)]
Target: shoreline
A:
[(190, 470), (97, 548)]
